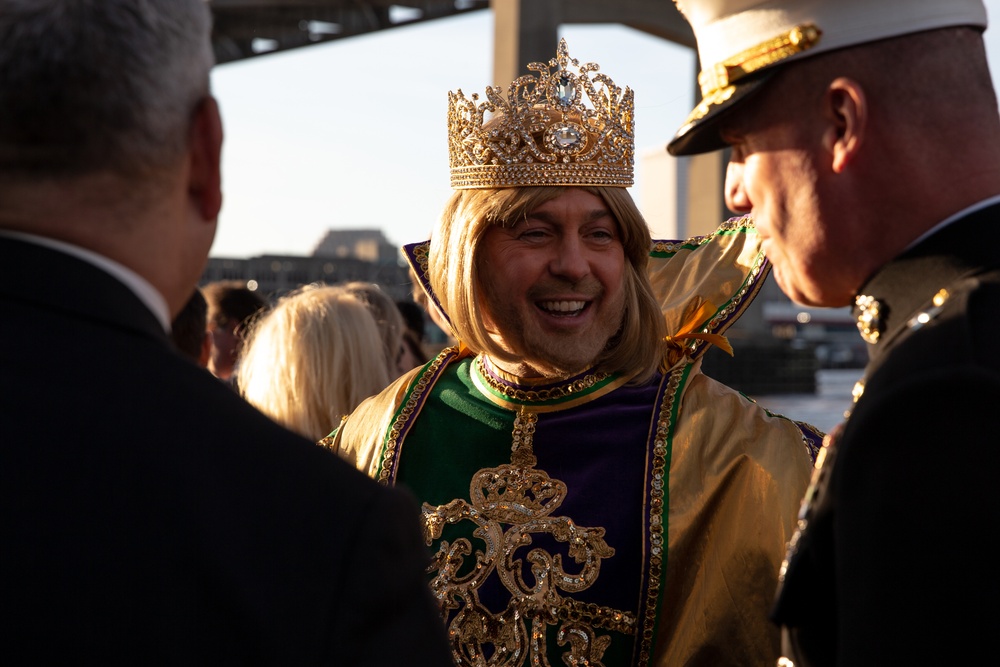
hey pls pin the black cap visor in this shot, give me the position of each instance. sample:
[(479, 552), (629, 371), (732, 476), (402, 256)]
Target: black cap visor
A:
[(700, 132)]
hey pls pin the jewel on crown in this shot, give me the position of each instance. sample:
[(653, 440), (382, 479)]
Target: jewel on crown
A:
[(570, 125)]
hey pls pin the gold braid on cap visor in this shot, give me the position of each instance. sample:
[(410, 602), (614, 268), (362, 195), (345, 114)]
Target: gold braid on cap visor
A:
[(568, 126), (717, 82)]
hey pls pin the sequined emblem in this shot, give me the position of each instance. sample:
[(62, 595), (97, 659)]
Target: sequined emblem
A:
[(508, 504), (869, 317)]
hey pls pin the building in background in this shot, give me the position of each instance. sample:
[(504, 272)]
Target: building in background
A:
[(369, 245), (341, 256)]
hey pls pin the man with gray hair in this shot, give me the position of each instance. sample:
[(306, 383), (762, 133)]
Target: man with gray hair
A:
[(865, 142), (149, 514)]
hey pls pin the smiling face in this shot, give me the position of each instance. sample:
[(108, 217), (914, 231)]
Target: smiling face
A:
[(553, 284)]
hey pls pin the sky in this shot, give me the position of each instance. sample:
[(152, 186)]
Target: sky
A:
[(351, 134)]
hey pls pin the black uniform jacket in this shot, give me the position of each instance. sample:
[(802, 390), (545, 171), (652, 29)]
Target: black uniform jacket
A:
[(149, 516), (897, 562)]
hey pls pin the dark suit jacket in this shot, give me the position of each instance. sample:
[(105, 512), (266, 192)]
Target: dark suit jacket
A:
[(151, 516), (897, 565)]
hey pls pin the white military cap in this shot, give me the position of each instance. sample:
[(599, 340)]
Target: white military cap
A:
[(741, 43)]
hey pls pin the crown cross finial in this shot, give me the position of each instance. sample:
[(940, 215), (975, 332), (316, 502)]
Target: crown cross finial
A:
[(570, 125)]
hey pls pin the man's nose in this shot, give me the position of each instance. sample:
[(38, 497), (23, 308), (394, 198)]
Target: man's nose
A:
[(736, 195), (570, 260)]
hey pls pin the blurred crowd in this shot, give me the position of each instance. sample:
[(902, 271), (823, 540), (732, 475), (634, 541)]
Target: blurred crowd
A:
[(308, 357)]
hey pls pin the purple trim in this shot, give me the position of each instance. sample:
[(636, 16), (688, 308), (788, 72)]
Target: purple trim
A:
[(416, 257)]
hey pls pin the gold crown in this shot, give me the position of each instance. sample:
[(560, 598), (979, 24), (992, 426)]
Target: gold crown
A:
[(544, 132)]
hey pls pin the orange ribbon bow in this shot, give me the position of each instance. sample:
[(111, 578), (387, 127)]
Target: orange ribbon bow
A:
[(701, 311)]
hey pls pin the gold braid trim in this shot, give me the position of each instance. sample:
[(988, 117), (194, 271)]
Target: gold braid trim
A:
[(533, 395), (657, 531)]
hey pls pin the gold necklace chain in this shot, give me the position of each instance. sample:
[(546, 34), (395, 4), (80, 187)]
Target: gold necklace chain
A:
[(548, 393)]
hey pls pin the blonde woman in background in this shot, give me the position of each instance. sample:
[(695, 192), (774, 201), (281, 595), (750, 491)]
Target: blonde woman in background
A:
[(312, 359), (390, 322)]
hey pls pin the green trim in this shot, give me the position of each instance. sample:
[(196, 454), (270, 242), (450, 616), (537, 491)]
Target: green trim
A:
[(420, 383), (751, 285), (674, 395), (731, 227), (674, 249), (388, 432)]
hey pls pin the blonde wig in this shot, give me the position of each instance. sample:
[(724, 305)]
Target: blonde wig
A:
[(636, 350), (312, 359)]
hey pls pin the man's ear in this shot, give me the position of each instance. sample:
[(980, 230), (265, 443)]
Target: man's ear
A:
[(205, 184), (847, 118)]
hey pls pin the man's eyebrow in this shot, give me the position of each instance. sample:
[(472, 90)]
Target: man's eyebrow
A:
[(545, 216)]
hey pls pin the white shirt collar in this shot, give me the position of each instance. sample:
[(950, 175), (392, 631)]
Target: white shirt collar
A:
[(142, 288)]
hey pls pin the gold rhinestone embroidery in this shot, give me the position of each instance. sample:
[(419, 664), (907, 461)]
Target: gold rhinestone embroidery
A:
[(420, 253), (741, 224), (387, 470), (538, 496), (733, 305), (508, 504), (568, 126), (535, 395), (657, 504)]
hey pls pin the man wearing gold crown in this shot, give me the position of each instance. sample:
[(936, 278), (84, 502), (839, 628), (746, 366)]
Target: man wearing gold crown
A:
[(590, 497), (866, 142)]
